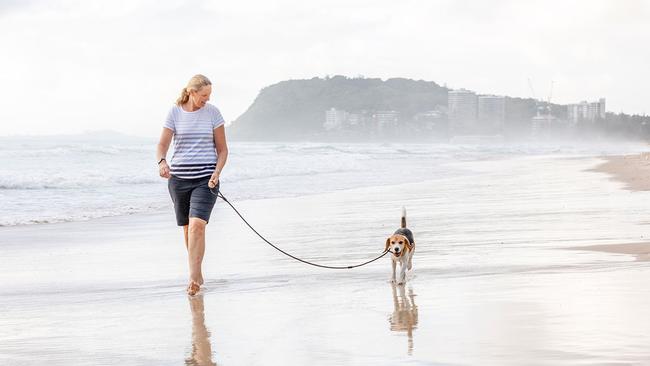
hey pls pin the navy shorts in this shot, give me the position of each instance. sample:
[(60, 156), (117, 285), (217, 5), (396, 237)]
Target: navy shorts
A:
[(192, 198)]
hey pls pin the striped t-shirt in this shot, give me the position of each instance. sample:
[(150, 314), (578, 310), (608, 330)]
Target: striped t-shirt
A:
[(195, 154)]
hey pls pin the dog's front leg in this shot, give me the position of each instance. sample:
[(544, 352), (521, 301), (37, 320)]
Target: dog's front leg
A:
[(394, 263), (402, 273)]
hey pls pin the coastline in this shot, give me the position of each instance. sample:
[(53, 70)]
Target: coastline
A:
[(488, 286), (640, 250), (634, 172)]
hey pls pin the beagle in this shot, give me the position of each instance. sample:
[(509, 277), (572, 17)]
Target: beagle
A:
[(402, 245)]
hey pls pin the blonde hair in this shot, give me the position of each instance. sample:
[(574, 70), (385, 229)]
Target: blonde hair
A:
[(197, 82)]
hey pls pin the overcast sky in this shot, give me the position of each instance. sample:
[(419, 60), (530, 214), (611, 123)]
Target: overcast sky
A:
[(69, 66)]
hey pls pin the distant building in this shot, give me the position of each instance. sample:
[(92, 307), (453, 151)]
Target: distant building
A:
[(585, 111), (334, 119), (542, 124), (597, 109), (491, 113), (431, 121), (428, 116), (462, 111), (602, 112), (386, 120), (360, 120), (355, 120)]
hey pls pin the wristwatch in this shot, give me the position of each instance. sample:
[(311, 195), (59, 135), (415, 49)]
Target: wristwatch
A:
[(161, 160)]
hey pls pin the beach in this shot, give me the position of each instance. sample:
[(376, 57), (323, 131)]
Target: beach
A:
[(509, 269), (634, 172)]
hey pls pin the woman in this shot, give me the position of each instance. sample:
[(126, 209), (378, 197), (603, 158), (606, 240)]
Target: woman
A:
[(200, 153)]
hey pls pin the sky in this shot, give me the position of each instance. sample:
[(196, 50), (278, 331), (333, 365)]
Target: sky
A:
[(71, 66)]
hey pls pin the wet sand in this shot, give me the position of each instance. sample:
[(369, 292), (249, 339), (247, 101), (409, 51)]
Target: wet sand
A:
[(634, 172), (640, 250), (489, 285)]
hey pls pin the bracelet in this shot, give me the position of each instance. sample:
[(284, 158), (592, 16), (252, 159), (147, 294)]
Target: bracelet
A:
[(161, 160)]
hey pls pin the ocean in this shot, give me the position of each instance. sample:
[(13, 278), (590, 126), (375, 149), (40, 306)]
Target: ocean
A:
[(77, 178), (93, 268)]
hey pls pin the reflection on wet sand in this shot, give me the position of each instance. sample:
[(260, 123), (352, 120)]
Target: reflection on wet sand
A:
[(201, 349), (405, 313)]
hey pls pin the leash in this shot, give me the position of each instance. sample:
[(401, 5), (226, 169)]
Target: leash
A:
[(220, 195)]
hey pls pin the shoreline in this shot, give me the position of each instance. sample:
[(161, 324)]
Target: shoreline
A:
[(619, 167), (640, 250), (113, 289), (632, 170)]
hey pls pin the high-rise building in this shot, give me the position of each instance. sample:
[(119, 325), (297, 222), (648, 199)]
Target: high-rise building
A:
[(334, 119), (576, 112), (431, 121), (602, 113), (491, 113), (462, 111), (585, 111), (386, 120)]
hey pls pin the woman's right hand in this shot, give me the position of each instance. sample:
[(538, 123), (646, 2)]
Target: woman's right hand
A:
[(163, 169)]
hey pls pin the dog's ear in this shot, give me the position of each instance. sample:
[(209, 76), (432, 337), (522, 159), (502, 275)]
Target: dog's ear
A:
[(408, 243), (387, 244)]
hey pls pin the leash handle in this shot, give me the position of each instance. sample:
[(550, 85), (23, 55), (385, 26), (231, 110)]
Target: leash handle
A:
[(219, 194)]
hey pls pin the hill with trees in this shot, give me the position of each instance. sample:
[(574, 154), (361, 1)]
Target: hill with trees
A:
[(295, 110)]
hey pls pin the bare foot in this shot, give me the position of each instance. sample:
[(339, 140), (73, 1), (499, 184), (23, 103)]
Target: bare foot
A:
[(193, 288), (201, 280)]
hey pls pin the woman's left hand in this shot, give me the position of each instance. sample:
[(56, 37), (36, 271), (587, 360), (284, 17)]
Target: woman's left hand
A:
[(214, 179)]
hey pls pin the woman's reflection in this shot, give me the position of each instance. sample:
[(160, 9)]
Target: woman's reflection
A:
[(201, 348), (405, 313)]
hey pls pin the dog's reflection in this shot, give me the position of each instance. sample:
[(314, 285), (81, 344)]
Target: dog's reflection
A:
[(201, 349), (405, 313)]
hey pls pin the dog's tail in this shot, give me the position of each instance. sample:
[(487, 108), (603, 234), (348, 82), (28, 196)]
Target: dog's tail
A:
[(403, 217)]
